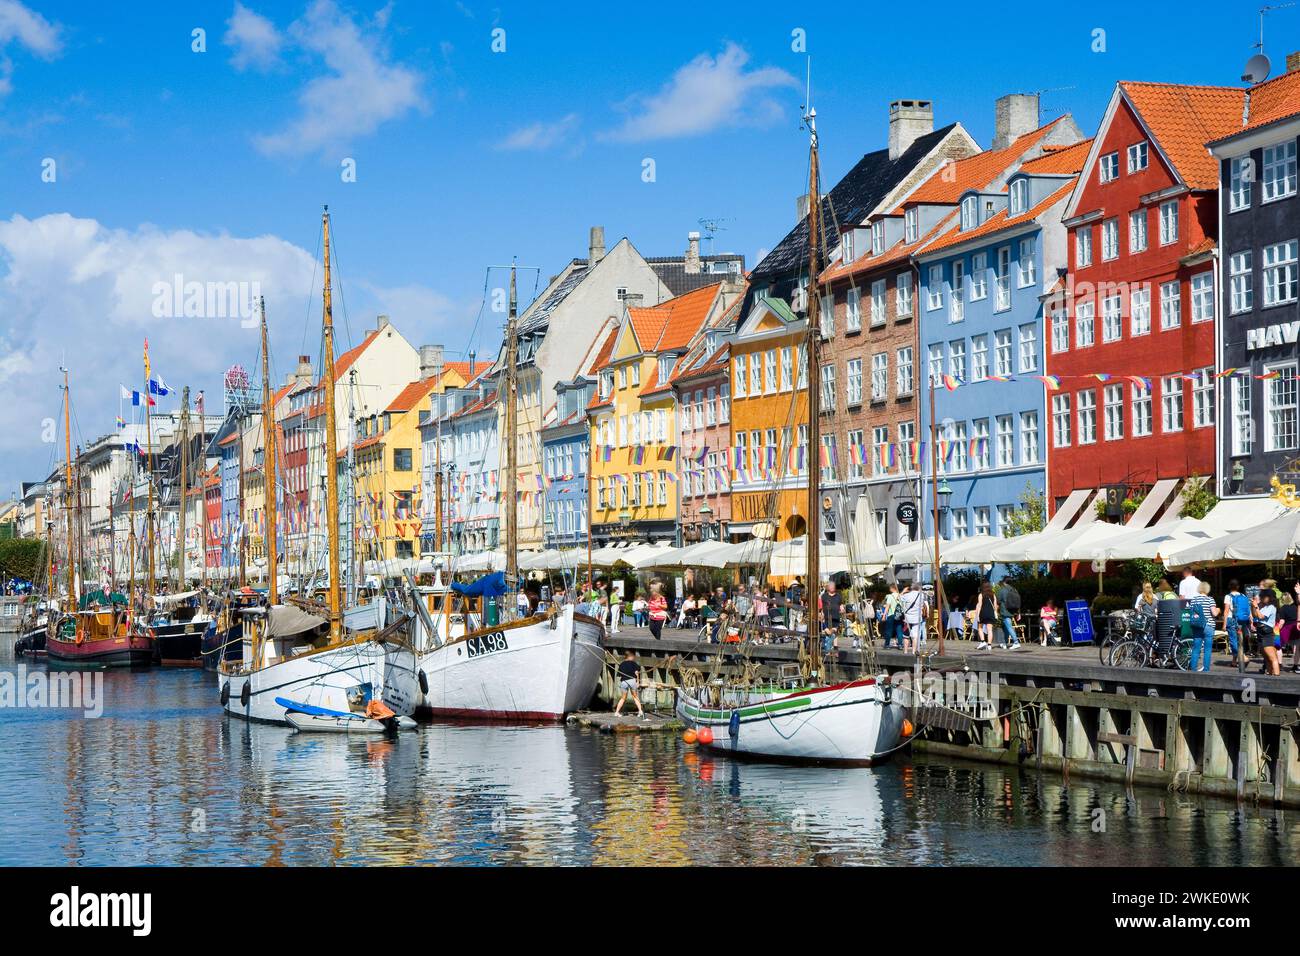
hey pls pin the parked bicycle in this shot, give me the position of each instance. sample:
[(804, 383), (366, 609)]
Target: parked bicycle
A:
[(1141, 647)]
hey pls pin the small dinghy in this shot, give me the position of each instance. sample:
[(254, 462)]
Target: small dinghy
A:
[(309, 717)]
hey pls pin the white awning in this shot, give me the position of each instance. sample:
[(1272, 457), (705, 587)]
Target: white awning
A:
[(1152, 503), (1069, 508), (1268, 534)]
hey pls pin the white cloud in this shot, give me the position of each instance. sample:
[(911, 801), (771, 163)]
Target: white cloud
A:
[(21, 24), (73, 290), (361, 92), (255, 40), (543, 134), (706, 94)]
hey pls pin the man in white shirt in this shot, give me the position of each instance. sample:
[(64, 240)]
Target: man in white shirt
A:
[(1190, 586), (914, 604)]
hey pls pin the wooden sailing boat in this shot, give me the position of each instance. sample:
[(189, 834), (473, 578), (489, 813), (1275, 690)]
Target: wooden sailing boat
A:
[(809, 720), (298, 667), (98, 630), (538, 666)]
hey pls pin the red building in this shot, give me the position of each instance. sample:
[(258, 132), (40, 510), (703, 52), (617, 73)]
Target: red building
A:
[(212, 515), (1131, 328)]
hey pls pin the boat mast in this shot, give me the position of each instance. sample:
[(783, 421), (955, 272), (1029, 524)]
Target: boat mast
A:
[(813, 336), (67, 487), (268, 468), (331, 445), (243, 532), (151, 534), (185, 465), (81, 522), (934, 496), (512, 429)]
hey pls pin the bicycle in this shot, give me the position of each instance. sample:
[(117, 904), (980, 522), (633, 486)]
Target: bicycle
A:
[(1135, 626), (1145, 649)]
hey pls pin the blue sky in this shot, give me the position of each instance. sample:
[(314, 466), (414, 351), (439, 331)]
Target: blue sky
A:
[(217, 163)]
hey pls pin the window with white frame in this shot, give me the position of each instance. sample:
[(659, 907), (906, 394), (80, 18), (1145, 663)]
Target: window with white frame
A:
[(959, 528), (1060, 331), (1203, 398), (1108, 167), (1140, 393), (1241, 172), (755, 374), (969, 212), (846, 246), (1137, 157), (1019, 196), (853, 382), (910, 219), (879, 376), (1084, 324), (957, 300), (1002, 280), (1006, 437), (1243, 422), (877, 238), (1168, 222), (1241, 286), (979, 358), (1278, 176), (1026, 274), (1113, 397), (855, 465), (1171, 403), (934, 364), (1060, 421), (853, 309), (1083, 247), (739, 370), (934, 289), (878, 302), (903, 371), (742, 449), (1203, 297), (787, 368), (826, 316), (1005, 513), (982, 520), (957, 359), (1027, 346), (979, 445), (1029, 436), (979, 276), (879, 448), (1002, 351), (906, 437), (724, 402), (803, 367), (1137, 230), (1112, 318), (1110, 239), (1087, 417), (828, 388), (1140, 311), (1171, 305), (903, 293), (1281, 416), (1280, 273), (960, 461)]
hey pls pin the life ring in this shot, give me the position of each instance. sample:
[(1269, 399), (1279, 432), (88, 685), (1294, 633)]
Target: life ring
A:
[(225, 693), (424, 683), (245, 694)]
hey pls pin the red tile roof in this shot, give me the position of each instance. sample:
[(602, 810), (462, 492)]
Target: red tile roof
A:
[(412, 395), (946, 185), (1059, 160), (900, 251), (1182, 119), (1277, 99), (345, 361), (997, 223), (671, 324)]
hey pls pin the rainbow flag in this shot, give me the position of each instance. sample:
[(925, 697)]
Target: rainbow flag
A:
[(637, 455), (1225, 373), (607, 452), (1051, 382), (951, 382), (1101, 376), (1267, 376), (1140, 380), (1000, 378)]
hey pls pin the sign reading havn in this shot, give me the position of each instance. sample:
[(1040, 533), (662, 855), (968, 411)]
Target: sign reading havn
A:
[(1268, 336)]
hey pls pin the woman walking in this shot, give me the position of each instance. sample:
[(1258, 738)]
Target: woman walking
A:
[(986, 615), (1264, 611), (658, 609), (1203, 636)]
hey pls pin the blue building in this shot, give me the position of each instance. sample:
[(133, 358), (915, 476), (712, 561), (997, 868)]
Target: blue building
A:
[(983, 285)]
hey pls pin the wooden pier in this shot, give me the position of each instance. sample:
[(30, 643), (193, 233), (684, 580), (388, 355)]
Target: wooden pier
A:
[(1222, 733)]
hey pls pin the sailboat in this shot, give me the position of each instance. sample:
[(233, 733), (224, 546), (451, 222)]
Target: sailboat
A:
[(801, 718), (298, 664), (538, 666), (97, 629), (33, 628)]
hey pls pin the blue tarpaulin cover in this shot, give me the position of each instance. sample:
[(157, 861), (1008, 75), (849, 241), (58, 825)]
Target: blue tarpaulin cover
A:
[(490, 585)]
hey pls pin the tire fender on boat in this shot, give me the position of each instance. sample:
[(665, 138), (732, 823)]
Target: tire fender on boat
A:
[(245, 694), (733, 725), (424, 683), (225, 693)]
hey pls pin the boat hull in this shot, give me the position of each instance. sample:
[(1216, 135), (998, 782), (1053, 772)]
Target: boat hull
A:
[(854, 724), (537, 669), (325, 678), (100, 639), (180, 644)]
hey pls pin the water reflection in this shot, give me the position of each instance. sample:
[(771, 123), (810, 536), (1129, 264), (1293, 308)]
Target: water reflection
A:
[(164, 778)]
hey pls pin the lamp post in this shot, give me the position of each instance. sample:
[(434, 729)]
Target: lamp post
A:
[(705, 514), (945, 497)]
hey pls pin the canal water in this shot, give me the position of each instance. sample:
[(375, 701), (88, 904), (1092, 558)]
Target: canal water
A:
[(162, 777)]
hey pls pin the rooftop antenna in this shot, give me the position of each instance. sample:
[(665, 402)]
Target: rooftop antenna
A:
[(712, 226), (1258, 66)]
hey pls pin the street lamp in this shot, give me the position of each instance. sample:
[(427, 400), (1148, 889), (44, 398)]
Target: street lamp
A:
[(705, 514), (945, 496)]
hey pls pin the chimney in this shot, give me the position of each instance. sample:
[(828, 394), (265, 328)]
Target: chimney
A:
[(1014, 115), (692, 262), (430, 361), (909, 120), (303, 372), (381, 323), (633, 300), (596, 245), (472, 370), (1293, 61)]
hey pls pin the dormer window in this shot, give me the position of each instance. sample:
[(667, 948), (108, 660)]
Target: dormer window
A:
[(1019, 197), (877, 238), (910, 224), (969, 212), (846, 244)]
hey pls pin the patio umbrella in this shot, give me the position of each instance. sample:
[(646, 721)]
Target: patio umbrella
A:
[(1273, 540)]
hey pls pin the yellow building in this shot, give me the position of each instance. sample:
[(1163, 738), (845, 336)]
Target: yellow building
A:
[(387, 458), (632, 419)]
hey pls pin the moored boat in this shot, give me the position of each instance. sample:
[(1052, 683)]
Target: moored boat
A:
[(99, 637)]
